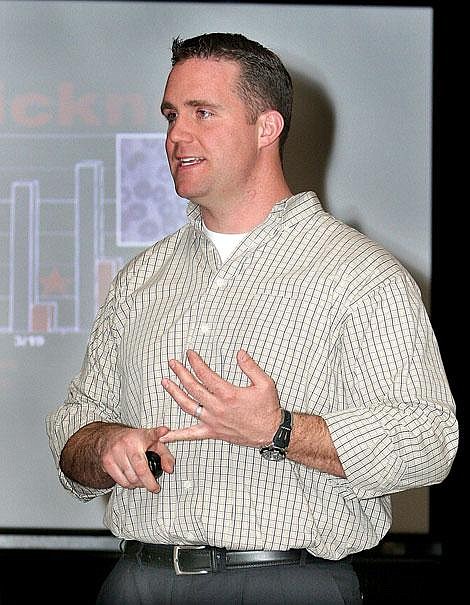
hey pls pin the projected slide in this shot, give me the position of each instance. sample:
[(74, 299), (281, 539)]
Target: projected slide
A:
[(147, 206), (62, 248)]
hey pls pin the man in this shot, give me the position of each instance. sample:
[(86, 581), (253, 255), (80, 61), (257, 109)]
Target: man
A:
[(281, 364)]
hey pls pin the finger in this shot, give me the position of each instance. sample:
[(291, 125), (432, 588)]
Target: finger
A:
[(117, 475), (166, 457), (186, 403), (118, 467), (195, 388), (156, 432), (192, 433), (130, 474), (128, 478), (210, 379), (144, 476)]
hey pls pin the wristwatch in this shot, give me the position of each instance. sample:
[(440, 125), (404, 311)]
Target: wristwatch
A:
[(278, 448)]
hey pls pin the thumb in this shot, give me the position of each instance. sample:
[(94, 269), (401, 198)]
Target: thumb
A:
[(249, 367), (167, 458), (154, 434)]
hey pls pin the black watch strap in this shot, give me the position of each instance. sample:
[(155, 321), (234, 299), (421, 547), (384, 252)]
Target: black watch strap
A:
[(282, 436), (278, 448)]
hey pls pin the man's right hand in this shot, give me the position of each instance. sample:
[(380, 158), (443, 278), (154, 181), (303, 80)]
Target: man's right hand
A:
[(101, 454)]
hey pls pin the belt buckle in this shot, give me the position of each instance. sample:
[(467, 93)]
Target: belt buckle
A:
[(176, 563)]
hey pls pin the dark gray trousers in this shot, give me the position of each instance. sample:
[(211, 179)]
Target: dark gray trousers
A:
[(321, 583)]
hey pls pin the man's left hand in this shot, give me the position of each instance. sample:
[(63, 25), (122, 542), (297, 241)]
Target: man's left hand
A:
[(243, 415)]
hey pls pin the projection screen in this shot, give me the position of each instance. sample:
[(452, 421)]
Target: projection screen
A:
[(84, 183)]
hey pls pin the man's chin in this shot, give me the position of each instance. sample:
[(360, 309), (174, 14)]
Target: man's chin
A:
[(190, 193)]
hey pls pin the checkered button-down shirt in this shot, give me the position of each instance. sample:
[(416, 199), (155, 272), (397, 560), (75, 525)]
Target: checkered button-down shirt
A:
[(338, 324)]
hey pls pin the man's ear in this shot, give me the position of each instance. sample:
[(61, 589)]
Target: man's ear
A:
[(271, 124)]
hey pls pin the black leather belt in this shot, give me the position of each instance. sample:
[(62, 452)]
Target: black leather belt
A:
[(187, 559)]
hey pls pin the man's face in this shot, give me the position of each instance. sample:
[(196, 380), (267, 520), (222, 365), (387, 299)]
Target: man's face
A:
[(210, 144)]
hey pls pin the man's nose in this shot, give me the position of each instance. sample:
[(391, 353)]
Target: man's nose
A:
[(180, 130)]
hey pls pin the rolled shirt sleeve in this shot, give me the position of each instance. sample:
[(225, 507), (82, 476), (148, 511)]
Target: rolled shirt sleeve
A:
[(93, 394), (400, 429)]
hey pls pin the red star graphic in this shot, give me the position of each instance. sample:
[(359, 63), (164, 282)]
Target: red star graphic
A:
[(54, 283)]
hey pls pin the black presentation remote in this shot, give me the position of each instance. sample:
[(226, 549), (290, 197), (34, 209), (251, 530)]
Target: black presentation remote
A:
[(154, 463)]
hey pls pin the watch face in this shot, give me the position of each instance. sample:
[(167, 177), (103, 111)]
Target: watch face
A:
[(272, 452)]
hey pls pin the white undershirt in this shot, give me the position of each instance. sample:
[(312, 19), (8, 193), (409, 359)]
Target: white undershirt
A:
[(224, 242)]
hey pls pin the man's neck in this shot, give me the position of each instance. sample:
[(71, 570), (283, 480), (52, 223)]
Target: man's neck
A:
[(245, 214)]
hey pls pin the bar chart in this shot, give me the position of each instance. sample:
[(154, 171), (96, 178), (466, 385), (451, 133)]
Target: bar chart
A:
[(61, 249)]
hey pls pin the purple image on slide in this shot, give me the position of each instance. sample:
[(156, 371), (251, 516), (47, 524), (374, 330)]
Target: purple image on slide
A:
[(147, 205)]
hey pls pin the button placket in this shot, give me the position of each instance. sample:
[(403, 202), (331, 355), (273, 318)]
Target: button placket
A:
[(205, 329), (220, 282)]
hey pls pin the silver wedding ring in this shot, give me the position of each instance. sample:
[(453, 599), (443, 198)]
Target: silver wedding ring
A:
[(198, 411)]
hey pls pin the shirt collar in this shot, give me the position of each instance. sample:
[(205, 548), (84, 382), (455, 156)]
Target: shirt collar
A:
[(286, 213)]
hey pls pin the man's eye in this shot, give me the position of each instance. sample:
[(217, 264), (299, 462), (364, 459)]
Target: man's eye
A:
[(170, 116), (204, 113)]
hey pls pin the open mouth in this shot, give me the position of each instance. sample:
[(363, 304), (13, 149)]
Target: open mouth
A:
[(189, 161)]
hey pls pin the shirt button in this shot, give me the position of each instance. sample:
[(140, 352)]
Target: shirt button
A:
[(204, 329), (219, 282), (187, 485)]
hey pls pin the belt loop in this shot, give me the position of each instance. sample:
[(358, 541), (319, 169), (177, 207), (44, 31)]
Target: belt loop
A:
[(218, 559), (303, 557), (132, 548), (140, 552)]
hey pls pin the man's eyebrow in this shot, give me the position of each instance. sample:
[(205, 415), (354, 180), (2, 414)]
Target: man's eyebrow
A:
[(166, 105), (202, 102), (191, 103)]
